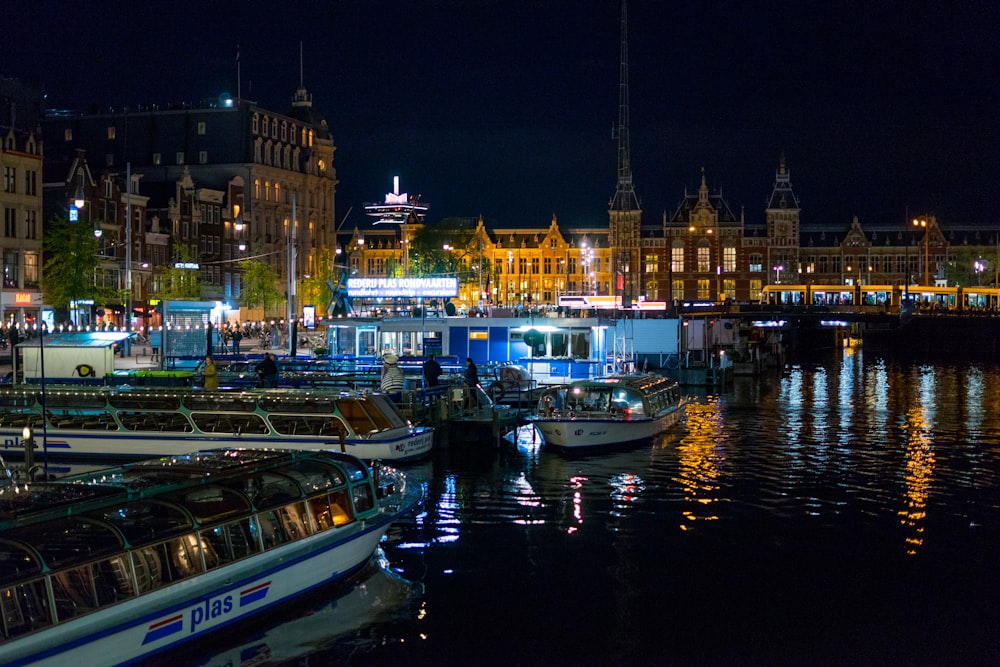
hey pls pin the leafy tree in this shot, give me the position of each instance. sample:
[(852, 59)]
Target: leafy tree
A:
[(72, 259), (259, 285), (316, 288), (428, 255), (181, 284)]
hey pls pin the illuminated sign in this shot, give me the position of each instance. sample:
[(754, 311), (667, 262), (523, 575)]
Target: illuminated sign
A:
[(74, 214), (186, 265), (22, 298), (419, 288)]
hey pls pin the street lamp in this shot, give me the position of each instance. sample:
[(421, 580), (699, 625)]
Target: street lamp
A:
[(777, 272), (925, 223)]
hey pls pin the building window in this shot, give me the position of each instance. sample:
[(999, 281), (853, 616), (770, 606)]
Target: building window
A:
[(547, 266), (534, 265), (109, 159), (31, 224), (729, 259), (202, 157), (10, 268), (756, 287), (201, 129), (704, 290), (729, 289), (284, 131), (652, 265), (756, 264), (265, 126), (10, 179), (68, 134), (677, 290), (31, 182), (31, 269), (571, 265), (291, 133), (256, 123), (274, 128), (156, 159), (677, 258), (704, 259), (10, 222), (111, 132), (651, 290), (180, 157)]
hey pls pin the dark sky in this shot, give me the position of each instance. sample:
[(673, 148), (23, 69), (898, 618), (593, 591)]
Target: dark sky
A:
[(505, 108)]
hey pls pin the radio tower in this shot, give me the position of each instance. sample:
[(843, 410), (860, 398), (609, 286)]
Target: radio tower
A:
[(625, 214)]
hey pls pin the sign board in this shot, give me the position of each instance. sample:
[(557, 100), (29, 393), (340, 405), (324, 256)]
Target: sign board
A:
[(309, 316), (416, 288)]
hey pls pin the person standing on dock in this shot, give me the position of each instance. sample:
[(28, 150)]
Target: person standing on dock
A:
[(211, 375), (393, 381), (471, 373), (267, 371), (432, 371)]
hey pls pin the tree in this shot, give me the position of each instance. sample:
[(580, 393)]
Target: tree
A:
[(316, 288), (258, 289), (71, 261), (180, 283)]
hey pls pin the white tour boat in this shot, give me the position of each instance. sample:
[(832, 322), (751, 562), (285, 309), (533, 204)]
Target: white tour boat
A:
[(90, 423), (120, 564), (608, 411)]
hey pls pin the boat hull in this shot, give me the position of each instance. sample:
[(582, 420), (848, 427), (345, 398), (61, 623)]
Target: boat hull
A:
[(68, 444), (586, 432), (192, 608)]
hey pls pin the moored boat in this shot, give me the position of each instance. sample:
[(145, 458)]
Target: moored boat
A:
[(608, 411), (119, 564), (88, 423)]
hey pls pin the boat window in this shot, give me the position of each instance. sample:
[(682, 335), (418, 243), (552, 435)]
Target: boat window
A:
[(272, 530), (212, 503), (289, 403), (63, 542), (231, 402), (24, 608), (355, 471), (314, 475), (356, 416), (78, 400), (363, 500), (18, 420), (560, 344), (295, 521), (225, 422), (16, 562), (145, 401), (83, 589), (267, 489), (155, 421), (580, 344), (17, 400), (146, 521), (72, 419), (302, 425), (635, 406), (330, 511), (378, 417), (230, 542)]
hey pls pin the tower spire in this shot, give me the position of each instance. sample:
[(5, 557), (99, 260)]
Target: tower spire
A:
[(625, 198)]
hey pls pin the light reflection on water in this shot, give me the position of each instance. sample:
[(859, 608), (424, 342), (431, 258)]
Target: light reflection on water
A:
[(844, 513)]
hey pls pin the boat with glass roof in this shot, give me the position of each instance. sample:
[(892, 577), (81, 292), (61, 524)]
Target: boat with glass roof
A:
[(124, 563), (89, 423), (608, 411)]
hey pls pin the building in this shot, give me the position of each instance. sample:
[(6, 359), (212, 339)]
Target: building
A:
[(226, 181), (21, 201)]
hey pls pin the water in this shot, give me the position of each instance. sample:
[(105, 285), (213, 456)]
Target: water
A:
[(842, 513)]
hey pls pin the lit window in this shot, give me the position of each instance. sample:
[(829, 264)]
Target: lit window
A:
[(201, 129)]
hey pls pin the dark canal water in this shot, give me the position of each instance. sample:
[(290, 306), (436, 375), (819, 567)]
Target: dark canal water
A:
[(839, 513)]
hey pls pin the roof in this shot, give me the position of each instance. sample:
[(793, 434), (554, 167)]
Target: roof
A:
[(78, 339)]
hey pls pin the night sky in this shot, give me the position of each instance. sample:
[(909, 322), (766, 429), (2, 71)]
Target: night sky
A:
[(506, 108)]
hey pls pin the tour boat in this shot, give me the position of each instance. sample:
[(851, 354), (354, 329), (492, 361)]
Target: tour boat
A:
[(608, 411), (88, 423), (112, 566)]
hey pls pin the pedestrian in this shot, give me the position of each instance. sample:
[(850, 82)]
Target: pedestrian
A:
[(392, 375), (237, 337), (267, 371), (471, 373), (432, 371), (471, 382), (211, 375)]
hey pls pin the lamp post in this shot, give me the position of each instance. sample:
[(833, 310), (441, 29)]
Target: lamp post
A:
[(925, 223), (777, 273)]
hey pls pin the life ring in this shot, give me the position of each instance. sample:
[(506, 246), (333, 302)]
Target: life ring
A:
[(496, 391), (85, 371)]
